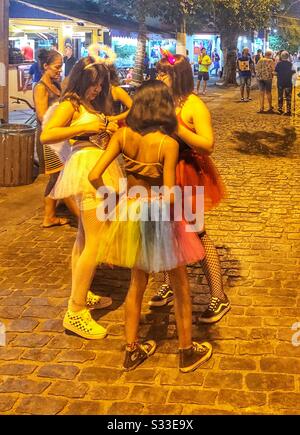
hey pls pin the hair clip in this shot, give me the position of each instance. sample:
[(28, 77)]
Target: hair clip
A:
[(94, 50), (168, 55)]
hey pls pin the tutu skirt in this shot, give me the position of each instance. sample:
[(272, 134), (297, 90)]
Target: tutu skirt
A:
[(73, 180), (194, 169), (137, 237)]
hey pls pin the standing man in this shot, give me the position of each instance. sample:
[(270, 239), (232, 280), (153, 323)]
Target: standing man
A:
[(204, 62), (284, 71), (245, 67), (216, 62), (27, 51), (264, 73), (69, 59)]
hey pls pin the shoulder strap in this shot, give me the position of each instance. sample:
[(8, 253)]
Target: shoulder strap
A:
[(124, 139), (160, 147)]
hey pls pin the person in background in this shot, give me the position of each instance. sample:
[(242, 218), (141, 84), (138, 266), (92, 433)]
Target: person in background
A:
[(258, 56), (129, 76), (284, 71), (54, 46), (27, 52), (204, 62), (46, 93), (69, 59), (216, 62), (245, 68), (264, 74), (34, 76)]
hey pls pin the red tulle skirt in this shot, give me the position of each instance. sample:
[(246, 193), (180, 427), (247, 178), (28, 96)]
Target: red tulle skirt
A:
[(194, 169)]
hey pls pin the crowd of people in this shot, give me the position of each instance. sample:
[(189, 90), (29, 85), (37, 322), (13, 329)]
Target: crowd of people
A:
[(93, 136)]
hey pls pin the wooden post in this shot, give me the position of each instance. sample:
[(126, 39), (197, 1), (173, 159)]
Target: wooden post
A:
[(4, 6)]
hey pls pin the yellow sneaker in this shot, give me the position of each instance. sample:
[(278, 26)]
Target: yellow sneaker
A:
[(81, 323), (96, 302)]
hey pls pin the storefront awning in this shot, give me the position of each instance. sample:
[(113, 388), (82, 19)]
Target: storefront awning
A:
[(19, 9)]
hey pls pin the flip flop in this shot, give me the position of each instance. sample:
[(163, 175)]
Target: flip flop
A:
[(59, 222)]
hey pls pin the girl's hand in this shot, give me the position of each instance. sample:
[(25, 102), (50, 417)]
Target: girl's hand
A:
[(112, 127), (94, 126)]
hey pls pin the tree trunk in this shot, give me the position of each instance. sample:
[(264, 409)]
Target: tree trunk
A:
[(137, 76), (181, 38), (229, 41)]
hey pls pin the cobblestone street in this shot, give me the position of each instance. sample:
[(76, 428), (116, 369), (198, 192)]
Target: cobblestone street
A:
[(255, 368)]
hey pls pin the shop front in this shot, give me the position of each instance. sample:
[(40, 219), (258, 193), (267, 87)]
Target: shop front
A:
[(202, 40)]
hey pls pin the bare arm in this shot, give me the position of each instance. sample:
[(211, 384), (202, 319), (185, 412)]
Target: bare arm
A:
[(119, 94), (170, 155), (112, 151), (58, 128), (40, 96), (202, 140)]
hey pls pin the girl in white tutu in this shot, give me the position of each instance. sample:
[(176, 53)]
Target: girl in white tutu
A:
[(136, 239), (80, 119)]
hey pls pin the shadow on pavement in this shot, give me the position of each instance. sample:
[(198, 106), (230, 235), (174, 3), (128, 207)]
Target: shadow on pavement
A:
[(269, 144)]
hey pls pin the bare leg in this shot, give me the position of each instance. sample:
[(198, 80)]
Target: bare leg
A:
[(78, 246), (262, 100), (183, 306), (133, 304), (198, 86), (72, 206), (269, 98), (84, 271), (242, 88), (204, 86)]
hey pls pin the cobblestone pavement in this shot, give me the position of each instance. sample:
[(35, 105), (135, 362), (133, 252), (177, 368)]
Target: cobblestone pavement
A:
[(255, 369)]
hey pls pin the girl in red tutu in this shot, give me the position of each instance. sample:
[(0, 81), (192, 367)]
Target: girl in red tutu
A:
[(195, 168)]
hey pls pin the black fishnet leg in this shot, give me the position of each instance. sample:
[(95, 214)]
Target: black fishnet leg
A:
[(212, 268)]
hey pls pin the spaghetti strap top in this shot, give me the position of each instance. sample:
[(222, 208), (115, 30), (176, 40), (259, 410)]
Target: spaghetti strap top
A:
[(148, 170)]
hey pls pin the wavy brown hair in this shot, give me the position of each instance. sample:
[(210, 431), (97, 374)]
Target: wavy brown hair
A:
[(81, 78), (181, 74), (152, 109)]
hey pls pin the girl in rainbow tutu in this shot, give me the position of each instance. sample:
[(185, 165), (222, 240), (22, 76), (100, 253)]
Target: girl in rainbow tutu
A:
[(195, 168), (140, 232), (80, 119)]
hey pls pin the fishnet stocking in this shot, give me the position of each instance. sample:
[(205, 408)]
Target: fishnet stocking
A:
[(212, 268)]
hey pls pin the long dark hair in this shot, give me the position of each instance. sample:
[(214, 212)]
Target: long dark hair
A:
[(81, 78), (47, 57), (181, 74), (152, 109)]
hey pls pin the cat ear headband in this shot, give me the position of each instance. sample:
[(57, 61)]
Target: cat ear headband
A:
[(109, 59), (167, 55)]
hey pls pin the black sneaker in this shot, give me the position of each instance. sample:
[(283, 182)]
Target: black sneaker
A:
[(287, 114), (215, 311), (195, 356), (135, 357), (164, 296)]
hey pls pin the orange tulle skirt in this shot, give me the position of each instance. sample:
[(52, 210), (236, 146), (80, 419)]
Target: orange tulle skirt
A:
[(194, 169)]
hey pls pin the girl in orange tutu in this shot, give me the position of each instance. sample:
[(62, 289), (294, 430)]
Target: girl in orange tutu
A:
[(195, 168)]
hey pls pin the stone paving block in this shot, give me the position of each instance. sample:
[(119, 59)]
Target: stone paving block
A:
[(31, 340), (42, 312), (7, 402), (172, 377), (16, 369), (10, 312), (192, 395), (218, 380), (154, 409), (41, 355), (109, 392), (256, 347), (146, 394), (37, 405), (58, 371), (25, 386), (141, 376), (79, 356), (51, 325), (7, 354), (126, 408), (64, 341), (241, 399), (237, 363), (266, 382), (22, 325), (69, 389), (282, 365), (285, 400), (100, 374)]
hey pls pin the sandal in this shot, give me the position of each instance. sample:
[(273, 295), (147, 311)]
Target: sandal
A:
[(57, 222)]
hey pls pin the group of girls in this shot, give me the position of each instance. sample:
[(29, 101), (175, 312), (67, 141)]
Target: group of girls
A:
[(166, 142)]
